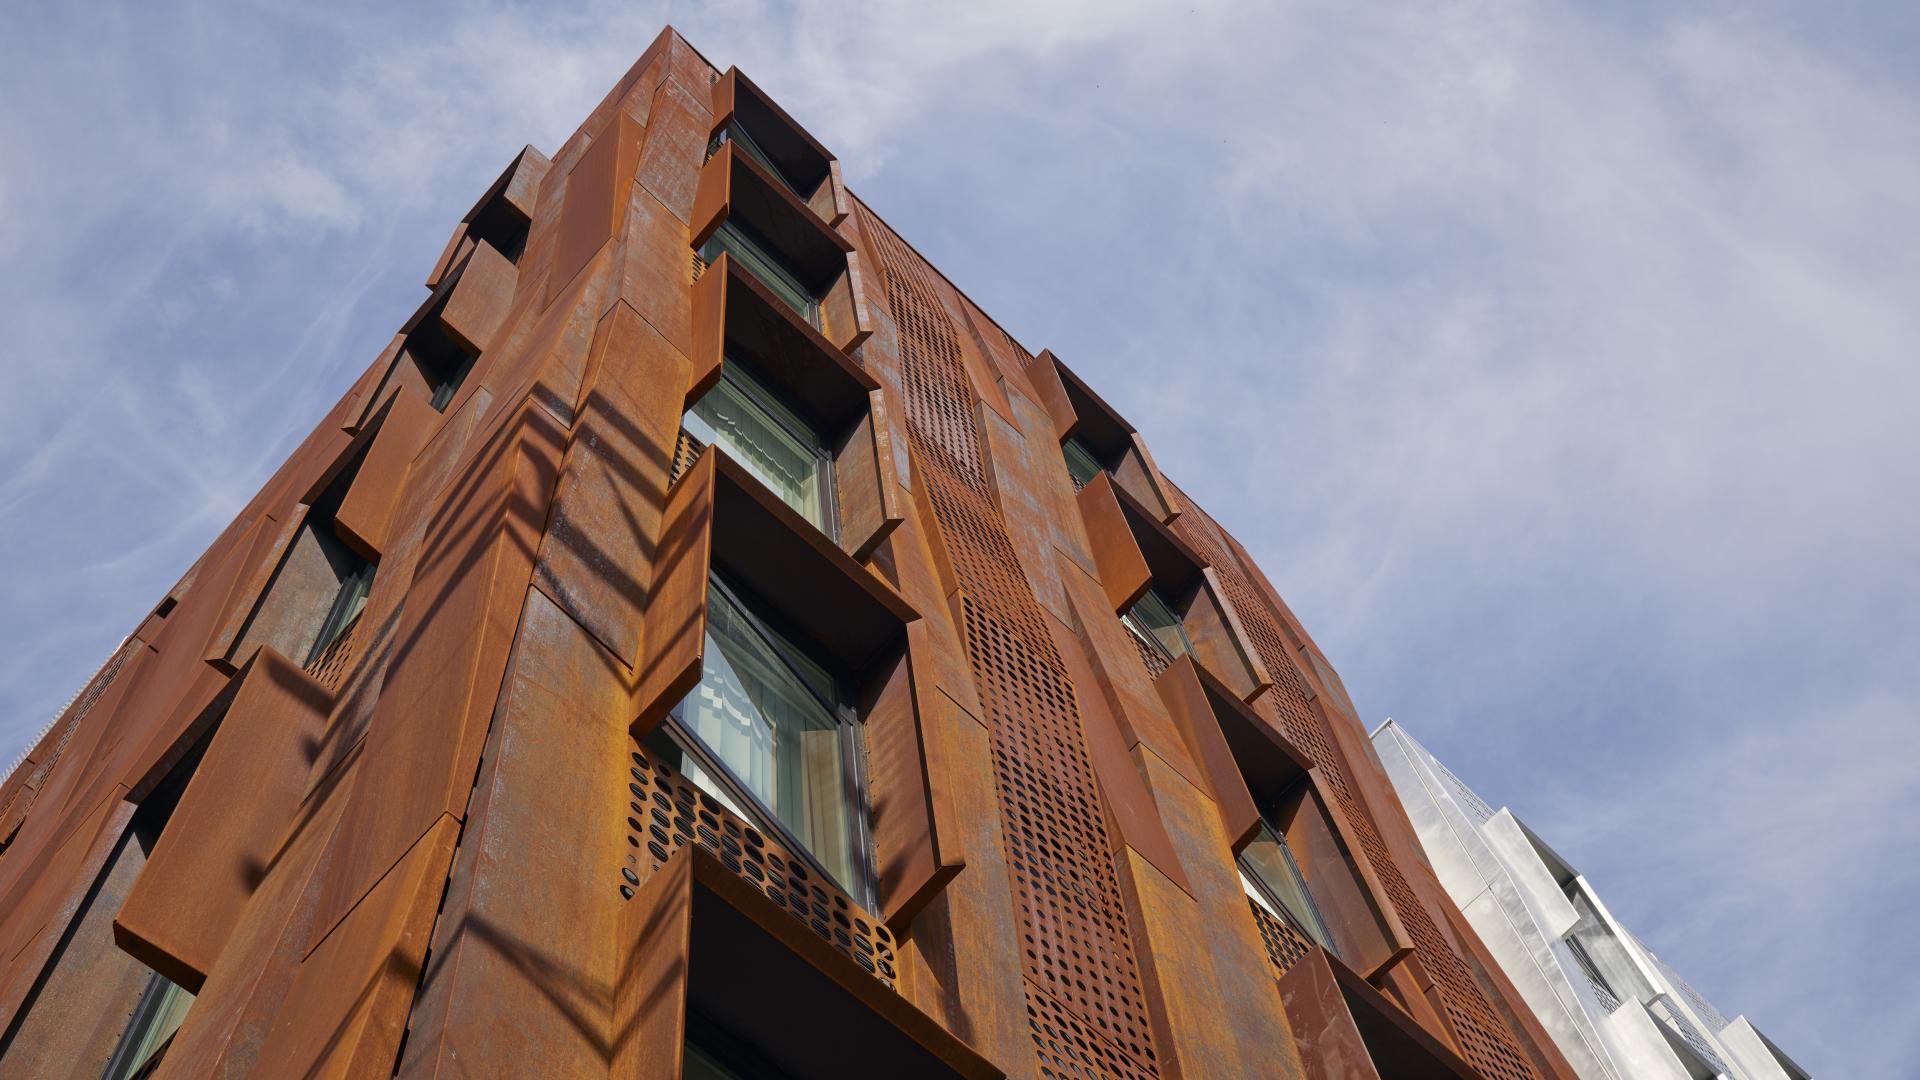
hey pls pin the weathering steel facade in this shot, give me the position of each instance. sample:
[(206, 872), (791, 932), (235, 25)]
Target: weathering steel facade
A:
[(705, 643)]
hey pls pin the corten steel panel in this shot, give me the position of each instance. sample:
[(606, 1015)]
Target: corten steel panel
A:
[(1052, 818), (820, 381), (1360, 1032), (345, 1012), (210, 859), (1329, 1040), (596, 559), (1234, 1024), (1118, 672), (651, 955), (1134, 813), (709, 327), (1214, 627), (595, 201), (1044, 376), (843, 310), (77, 1014), (917, 848), (236, 1007), (799, 155), (652, 268), (457, 249), (722, 948), (674, 631), (1018, 731), (1123, 570), (479, 299), (865, 484), (830, 199), (41, 911), (520, 971), (1186, 701), (749, 193), (449, 655), (712, 196), (274, 534), (367, 513), (678, 125)]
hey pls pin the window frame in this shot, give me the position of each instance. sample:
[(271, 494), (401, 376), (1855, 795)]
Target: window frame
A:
[(853, 785), (754, 387), (1072, 445), (1144, 634), (733, 131), (1310, 923), (764, 252)]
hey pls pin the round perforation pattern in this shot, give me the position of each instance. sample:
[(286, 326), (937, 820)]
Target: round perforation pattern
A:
[(1484, 1039), (665, 812), (1285, 945), (1084, 995)]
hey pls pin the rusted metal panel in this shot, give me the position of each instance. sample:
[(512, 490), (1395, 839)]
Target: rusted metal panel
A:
[(596, 201), (209, 860), (1123, 570), (652, 955), (916, 841), (676, 142), (347, 1007), (674, 633), (449, 654), (480, 299), (521, 971), (596, 559), (366, 514), (1186, 702)]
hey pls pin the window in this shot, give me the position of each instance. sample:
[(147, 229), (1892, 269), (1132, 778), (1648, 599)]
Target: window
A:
[(781, 451), (1273, 880), (347, 603), (737, 239), (1155, 625), (1081, 464), (162, 1009), (737, 135), (767, 733)]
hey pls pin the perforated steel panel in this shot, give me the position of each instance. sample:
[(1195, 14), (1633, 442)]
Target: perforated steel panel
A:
[(666, 812), (331, 665), (1483, 1037), (1085, 1004), (1285, 945)]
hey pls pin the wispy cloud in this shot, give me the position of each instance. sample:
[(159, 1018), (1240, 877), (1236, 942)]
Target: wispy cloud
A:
[(1557, 363)]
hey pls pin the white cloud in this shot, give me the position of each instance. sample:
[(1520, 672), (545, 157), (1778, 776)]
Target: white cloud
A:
[(1576, 347)]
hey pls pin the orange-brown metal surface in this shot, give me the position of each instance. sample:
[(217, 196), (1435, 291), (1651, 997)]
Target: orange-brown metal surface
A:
[(440, 849)]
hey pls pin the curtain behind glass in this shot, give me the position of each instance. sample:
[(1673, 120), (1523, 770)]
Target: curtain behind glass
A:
[(764, 265), (1267, 860), (1080, 464), (777, 740), (728, 416), (1151, 616)]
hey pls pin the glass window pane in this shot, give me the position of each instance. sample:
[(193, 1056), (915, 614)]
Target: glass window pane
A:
[(742, 139), (1080, 464), (757, 716), (1152, 618), (1274, 882), (743, 424), (766, 266)]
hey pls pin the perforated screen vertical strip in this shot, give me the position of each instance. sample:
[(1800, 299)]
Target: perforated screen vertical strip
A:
[(1085, 1004), (1483, 1037)]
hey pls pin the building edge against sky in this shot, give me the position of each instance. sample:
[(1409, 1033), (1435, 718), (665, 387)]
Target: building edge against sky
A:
[(1613, 1007), (700, 629)]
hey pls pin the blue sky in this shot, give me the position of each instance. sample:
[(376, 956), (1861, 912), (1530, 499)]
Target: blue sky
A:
[(1558, 364)]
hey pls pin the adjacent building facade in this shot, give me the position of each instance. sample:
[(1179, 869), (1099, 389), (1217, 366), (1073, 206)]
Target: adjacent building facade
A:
[(704, 643), (1616, 1011)]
